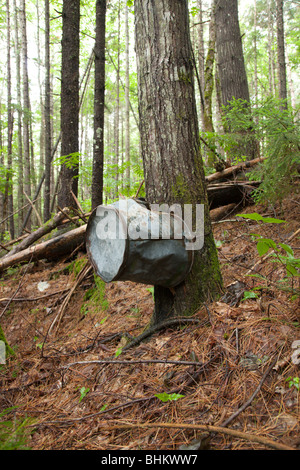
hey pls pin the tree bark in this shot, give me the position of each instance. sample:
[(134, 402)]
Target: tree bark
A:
[(231, 66), (26, 109), (9, 176), (170, 144), (201, 59), (47, 116), (19, 113), (69, 103), (117, 113), (127, 102), (281, 54), (98, 148)]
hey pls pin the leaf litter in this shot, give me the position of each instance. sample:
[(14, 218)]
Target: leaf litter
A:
[(234, 371)]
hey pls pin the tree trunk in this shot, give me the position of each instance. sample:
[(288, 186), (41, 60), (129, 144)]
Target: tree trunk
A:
[(212, 160), (127, 102), (281, 54), (98, 149), (69, 103), (2, 179), (231, 66), (19, 112), (117, 113), (208, 71), (9, 130), (201, 59), (47, 117), (26, 110), (170, 144)]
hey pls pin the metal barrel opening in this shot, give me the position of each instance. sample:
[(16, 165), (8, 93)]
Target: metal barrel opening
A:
[(127, 241)]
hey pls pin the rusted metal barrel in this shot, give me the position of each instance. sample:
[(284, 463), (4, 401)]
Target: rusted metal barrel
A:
[(127, 241)]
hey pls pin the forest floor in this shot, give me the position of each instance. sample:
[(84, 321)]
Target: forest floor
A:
[(235, 371)]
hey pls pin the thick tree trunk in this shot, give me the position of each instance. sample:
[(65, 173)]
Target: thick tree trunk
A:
[(232, 72), (98, 148), (69, 102), (170, 140), (231, 66)]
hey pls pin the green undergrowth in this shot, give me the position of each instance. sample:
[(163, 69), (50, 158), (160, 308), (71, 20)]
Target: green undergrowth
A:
[(14, 433), (95, 298)]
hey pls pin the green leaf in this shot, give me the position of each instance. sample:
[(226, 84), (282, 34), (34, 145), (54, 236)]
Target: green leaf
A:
[(271, 220), (118, 352), (83, 392), (253, 216), (249, 294), (168, 396), (291, 270), (264, 244), (287, 248), (257, 217)]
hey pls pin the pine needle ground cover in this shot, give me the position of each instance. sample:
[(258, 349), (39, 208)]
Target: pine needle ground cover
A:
[(228, 379)]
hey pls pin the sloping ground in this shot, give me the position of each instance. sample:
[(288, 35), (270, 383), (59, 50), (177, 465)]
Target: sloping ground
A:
[(232, 368)]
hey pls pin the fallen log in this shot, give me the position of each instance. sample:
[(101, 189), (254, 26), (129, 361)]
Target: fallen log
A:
[(220, 212), (50, 249), (222, 194), (39, 233), (233, 170)]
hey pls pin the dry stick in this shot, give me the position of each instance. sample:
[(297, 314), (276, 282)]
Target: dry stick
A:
[(39, 233), (17, 290), (201, 427), (77, 202), (34, 208), (249, 401), (84, 271), (140, 187), (33, 299), (134, 361), (117, 407), (76, 222), (4, 247)]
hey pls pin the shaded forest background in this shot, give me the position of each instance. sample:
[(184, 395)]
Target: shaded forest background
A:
[(84, 370), (28, 139)]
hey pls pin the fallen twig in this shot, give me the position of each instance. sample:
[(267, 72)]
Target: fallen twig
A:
[(84, 271), (134, 361), (200, 427), (153, 329), (250, 400)]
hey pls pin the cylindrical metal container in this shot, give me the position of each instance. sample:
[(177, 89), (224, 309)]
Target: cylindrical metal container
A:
[(127, 241)]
